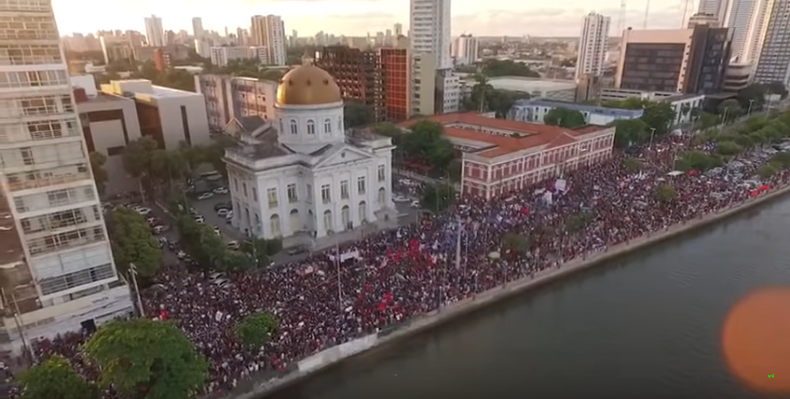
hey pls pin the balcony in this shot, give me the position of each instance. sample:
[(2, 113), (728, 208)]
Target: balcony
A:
[(41, 182), (64, 241)]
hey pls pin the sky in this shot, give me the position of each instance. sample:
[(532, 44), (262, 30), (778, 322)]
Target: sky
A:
[(358, 17)]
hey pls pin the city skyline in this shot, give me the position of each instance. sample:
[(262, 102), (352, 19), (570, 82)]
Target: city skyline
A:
[(495, 18)]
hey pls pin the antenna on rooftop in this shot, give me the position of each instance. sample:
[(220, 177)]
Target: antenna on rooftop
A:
[(647, 13)]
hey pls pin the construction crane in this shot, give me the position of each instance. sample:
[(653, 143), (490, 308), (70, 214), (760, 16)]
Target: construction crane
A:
[(647, 14)]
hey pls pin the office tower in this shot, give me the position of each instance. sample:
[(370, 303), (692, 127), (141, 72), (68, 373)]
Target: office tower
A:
[(592, 45), (398, 30), (465, 49), (755, 32), (229, 97), (197, 28), (703, 19), (56, 266), (154, 31), (746, 18), (716, 7), (269, 31), (674, 60), (773, 64), (430, 30)]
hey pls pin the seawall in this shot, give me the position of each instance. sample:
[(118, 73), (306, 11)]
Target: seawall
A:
[(320, 361)]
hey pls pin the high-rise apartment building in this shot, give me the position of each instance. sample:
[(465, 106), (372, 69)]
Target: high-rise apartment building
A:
[(154, 31), (395, 83), (674, 60), (398, 29), (197, 28), (430, 30), (717, 8), (592, 45), (269, 31), (465, 49), (773, 64), (56, 267), (755, 32), (229, 97), (703, 19)]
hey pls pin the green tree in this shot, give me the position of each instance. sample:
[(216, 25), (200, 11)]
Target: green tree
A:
[(697, 160), (564, 117), (707, 120), (199, 240), (143, 355), (256, 329), (168, 165), (261, 250), (629, 131), (99, 173), (133, 243), (55, 379), (632, 165), (137, 159), (769, 169), (728, 148), (437, 198), (516, 243), (356, 115), (657, 115), (730, 110), (492, 67), (578, 221), (389, 130), (665, 193), (753, 94), (777, 87), (426, 141), (477, 100)]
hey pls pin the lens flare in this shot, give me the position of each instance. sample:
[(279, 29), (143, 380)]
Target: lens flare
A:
[(756, 340)]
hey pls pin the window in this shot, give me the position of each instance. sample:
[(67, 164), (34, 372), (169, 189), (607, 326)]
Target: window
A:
[(345, 215), (363, 212), (344, 189), (340, 123), (327, 126), (271, 195), (292, 197), (236, 184), (361, 185), (274, 222), (294, 129), (381, 173), (51, 285), (310, 194), (325, 195), (382, 196), (254, 194), (310, 127), (328, 220), (244, 188)]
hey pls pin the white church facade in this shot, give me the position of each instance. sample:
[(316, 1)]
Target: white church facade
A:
[(301, 176)]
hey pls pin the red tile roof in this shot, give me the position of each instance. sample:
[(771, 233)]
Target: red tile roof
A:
[(533, 134)]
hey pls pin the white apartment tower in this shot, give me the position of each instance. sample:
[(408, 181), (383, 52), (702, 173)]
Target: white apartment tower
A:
[(717, 8), (269, 31), (56, 267), (592, 45), (154, 31), (197, 28), (465, 49), (774, 62), (429, 25)]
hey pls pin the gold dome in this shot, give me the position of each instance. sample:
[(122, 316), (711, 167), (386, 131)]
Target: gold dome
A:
[(308, 85)]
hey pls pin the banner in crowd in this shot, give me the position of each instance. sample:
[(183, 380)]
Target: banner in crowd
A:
[(345, 256)]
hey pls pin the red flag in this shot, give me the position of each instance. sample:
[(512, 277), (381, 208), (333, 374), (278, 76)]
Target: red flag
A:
[(162, 314), (382, 306), (754, 193), (388, 297)]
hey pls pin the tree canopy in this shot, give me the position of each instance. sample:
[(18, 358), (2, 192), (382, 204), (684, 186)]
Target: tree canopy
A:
[(261, 250), (730, 110), (356, 115), (256, 329), (206, 247), (494, 67), (665, 193), (55, 379), (657, 115), (427, 142), (564, 117), (133, 243), (486, 98), (148, 356), (438, 198), (98, 160), (629, 132)]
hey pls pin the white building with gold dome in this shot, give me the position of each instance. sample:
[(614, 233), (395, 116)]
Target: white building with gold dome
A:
[(301, 176)]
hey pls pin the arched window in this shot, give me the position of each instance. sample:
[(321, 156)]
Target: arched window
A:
[(382, 196), (363, 212), (296, 223), (274, 222), (294, 129), (328, 220), (310, 127), (327, 126), (345, 214)]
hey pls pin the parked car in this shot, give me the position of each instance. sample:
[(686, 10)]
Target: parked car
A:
[(415, 204), (161, 228), (223, 212), (400, 198), (222, 205), (143, 210), (220, 190), (233, 244), (217, 231), (297, 251), (181, 254), (205, 196), (200, 220)]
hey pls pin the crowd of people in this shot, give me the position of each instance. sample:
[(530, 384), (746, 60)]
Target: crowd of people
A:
[(399, 274)]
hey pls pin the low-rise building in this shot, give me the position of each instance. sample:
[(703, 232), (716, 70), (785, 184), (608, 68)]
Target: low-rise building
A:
[(501, 156), (221, 56), (228, 97), (562, 90), (535, 110), (682, 104), (167, 115), (109, 123), (737, 77)]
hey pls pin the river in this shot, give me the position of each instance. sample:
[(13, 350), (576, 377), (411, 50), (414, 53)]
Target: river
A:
[(645, 326)]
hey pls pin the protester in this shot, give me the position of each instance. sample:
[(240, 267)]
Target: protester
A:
[(400, 274)]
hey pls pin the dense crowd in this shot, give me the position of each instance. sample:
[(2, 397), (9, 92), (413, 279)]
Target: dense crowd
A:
[(402, 273)]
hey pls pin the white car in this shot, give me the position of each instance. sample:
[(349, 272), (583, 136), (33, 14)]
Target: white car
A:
[(400, 198), (200, 220), (233, 244), (220, 190), (159, 229), (181, 254), (415, 204), (205, 196), (223, 212), (217, 231), (143, 210)]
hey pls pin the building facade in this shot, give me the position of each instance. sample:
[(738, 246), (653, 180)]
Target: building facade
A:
[(465, 49), (154, 31), (395, 83), (703, 19), (717, 8), (305, 179), (737, 77), (269, 32), (501, 156), (674, 60), (774, 62), (534, 111), (755, 33), (423, 84), (357, 73), (197, 28), (592, 45), (57, 272), (430, 30), (221, 56), (168, 116), (229, 97)]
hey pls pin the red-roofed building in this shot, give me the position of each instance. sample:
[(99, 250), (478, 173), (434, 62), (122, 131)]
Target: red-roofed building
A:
[(500, 156)]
